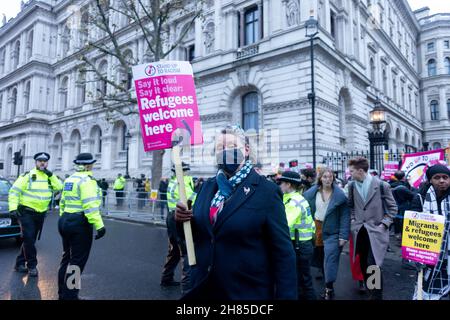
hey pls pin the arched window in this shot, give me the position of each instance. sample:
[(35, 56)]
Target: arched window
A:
[(434, 107), (16, 55), (431, 67), (372, 71), (75, 138), (250, 111), (447, 65), (437, 145), (26, 94), (63, 93), (96, 134), (13, 103)]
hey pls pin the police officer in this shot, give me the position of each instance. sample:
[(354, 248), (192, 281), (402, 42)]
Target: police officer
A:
[(177, 246), (29, 199), (79, 213), (119, 187), (302, 228)]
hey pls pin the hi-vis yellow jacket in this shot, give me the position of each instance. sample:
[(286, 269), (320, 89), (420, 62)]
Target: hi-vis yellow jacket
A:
[(81, 194), (34, 190), (173, 195)]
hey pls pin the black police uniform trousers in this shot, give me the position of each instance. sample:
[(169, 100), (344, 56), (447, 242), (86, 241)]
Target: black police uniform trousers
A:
[(76, 233), (366, 259), (177, 252), (304, 257), (31, 222)]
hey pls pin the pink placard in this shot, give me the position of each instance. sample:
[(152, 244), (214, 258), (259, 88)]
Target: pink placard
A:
[(167, 102), (414, 165), (421, 256)]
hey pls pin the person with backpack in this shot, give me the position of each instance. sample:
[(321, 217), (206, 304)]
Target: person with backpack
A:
[(372, 209)]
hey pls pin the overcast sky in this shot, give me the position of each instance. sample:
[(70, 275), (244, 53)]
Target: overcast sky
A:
[(11, 7)]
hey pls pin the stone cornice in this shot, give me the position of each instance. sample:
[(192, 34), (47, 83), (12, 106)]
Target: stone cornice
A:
[(224, 115)]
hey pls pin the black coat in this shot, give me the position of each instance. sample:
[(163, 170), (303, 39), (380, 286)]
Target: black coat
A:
[(163, 185), (403, 195), (247, 254)]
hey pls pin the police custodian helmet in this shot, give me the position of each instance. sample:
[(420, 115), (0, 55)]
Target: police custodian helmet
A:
[(184, 165), (42, 156), (290, 176), (84, 158)]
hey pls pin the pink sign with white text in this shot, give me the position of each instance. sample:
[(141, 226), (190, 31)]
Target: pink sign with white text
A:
[(167, 102)]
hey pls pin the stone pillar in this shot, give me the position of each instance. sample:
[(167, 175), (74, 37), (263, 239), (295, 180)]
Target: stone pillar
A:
[(276, 15), (198, 39), (242, 30), (107, 148), (260, 20), (133, 152), (67, 147), (20, 98), (266, 18), (86, 145)]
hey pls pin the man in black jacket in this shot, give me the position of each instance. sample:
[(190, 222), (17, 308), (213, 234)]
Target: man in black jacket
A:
[(403, 195)]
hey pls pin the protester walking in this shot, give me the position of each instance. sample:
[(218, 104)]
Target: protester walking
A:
[(241, 236), (435, 199), (331, 214), (372, 211)]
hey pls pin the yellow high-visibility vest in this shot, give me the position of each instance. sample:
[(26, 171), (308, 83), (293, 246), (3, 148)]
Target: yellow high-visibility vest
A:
[(298, 214), (81, 194), (173, 195), (33, 189)]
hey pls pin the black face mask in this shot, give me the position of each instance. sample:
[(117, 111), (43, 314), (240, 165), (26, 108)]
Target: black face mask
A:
[(229, 160)]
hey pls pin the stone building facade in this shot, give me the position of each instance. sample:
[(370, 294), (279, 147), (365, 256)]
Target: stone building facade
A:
[(251, 60)]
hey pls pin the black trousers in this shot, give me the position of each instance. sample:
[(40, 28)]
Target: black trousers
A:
[(31, 223), (177, 252), (76, 233), (366, 259), (163, 206), (119, 197), (304, 279)]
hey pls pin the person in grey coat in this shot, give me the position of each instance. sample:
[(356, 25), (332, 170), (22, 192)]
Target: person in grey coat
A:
[(372, 210), (330, 210)]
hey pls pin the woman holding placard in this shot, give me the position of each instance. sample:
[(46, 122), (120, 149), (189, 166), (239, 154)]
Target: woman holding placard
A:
[(241, 236)]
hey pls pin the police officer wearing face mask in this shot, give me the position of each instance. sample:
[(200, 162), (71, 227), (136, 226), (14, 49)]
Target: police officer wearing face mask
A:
[(239, 228), (28, 199)]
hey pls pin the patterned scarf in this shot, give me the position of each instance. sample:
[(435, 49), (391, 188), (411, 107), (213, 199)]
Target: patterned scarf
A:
[(226, 189), (437, 279)]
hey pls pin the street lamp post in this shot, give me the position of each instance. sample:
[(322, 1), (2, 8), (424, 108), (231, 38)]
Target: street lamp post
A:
[(312, 29), (127, 141), (377, 136)]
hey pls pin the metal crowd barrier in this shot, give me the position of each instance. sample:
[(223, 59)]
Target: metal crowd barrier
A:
[(136, 205)]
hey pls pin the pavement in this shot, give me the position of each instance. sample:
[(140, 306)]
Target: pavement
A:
[(126, 265)]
